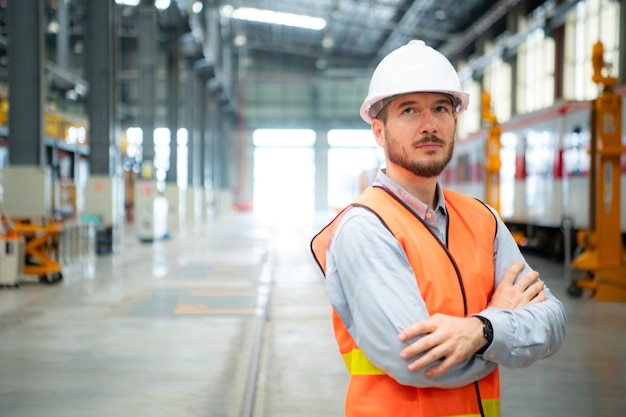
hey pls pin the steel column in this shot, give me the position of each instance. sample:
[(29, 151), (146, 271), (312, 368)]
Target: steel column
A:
[(100, 59), (147, 55), (173, 73), (63, 34), (26, 78), (190, 109), (202, 127)]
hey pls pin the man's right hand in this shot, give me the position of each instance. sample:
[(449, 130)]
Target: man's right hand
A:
[(527, 290)]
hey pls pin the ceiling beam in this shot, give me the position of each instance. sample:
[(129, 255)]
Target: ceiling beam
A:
[(454, 47), (396, 37)]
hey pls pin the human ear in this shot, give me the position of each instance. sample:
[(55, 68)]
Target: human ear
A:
[(378, 128)]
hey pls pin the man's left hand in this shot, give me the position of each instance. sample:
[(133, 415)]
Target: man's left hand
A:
[(452, 339)]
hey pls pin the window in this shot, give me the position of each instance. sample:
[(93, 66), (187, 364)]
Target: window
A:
[(469, 121), (535, 71), (592, 20), (497, 82)]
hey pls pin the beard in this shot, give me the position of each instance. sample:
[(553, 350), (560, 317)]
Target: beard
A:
[(430, 168)]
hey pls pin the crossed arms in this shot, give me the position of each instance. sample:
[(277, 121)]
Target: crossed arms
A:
[(389, 321)]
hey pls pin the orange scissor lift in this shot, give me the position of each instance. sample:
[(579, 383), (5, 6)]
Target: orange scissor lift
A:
[(603, 260), (41, 249)]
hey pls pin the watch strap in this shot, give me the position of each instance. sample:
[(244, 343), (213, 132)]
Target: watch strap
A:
[(487, 334)]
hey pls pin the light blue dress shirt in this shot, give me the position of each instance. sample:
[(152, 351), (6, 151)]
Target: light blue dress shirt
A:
[(372, 287)]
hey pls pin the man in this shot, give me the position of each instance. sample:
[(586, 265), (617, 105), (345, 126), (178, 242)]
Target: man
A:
[(430, 293)]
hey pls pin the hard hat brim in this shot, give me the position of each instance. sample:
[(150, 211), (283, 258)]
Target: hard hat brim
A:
[(461, 102)]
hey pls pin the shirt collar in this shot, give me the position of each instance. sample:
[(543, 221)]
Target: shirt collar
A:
[(382, 180)]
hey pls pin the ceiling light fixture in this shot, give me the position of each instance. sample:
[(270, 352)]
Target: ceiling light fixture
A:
[(162, 4), (328, 42), (240, 40), (274, 17), (128, 2), (197, 7)]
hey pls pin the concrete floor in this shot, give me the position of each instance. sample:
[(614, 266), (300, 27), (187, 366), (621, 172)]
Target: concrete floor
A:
[(177, 328)]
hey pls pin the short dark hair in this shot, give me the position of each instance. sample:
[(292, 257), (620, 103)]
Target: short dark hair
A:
[(383, 113)]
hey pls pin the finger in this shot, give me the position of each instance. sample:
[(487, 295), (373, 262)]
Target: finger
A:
[(539, 298), (534, 289), (426, 359), (442, 368), (512, 272), (528, 279), (422, 345), (416, 329)]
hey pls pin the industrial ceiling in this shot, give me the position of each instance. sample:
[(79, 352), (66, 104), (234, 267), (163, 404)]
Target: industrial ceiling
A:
[(357, 33)]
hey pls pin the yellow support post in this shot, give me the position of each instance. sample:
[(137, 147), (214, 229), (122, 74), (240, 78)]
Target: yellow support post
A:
[(492, 158), (604, 257)]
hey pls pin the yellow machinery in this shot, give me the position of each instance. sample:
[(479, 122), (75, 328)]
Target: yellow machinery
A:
[(41, 249), (492, 158), (603, 259), (492, 154)]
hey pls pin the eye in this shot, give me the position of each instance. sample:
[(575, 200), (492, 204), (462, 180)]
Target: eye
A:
[(408, 110), (443, 109)]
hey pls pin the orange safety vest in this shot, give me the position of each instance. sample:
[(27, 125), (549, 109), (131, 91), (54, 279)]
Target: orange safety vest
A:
[(457, 280)]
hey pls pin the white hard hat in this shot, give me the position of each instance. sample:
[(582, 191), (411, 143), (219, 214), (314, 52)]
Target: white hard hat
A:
[(414, 67)]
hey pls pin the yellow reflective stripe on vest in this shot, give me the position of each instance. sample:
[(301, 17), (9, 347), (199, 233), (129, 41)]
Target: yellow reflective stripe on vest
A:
[(358, 364), (490, 407), (466, 415)]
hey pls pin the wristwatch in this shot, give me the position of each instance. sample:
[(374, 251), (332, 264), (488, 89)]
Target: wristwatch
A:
[(487, 334)]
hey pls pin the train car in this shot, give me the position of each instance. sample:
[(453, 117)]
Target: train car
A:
[(544, 173)]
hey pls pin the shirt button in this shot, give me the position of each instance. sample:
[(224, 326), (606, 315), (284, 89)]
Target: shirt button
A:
[(428, 215)]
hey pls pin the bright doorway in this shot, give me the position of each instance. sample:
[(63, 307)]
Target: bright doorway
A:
[(284, 174), (353, 161)]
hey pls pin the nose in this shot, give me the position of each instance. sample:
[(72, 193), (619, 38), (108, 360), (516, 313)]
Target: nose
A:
[(427, 122)]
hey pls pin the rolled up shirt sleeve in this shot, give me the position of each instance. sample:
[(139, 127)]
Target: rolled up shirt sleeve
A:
[(372, 287)]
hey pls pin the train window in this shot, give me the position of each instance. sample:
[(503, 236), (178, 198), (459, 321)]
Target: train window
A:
[(539, 153), (463, 169), (575, 154)]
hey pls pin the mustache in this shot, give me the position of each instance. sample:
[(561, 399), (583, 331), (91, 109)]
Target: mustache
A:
[(429, 139)]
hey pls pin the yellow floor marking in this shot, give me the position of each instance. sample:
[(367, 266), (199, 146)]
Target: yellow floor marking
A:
[(204, 309), (223, 293)]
